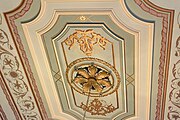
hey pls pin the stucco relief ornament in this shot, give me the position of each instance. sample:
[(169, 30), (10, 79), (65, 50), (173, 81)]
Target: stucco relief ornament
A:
[(4, 40), (10, 69), (176, 70), (86, 40), (177, 47), (174, 96), (98, 107), (178, 19), (94, 78)]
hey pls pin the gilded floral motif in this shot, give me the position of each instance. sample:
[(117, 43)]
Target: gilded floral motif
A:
[(92, 78), (86, 40), (98, 107)]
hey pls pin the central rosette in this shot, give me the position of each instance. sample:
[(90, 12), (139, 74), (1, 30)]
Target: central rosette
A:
[(92, 78)]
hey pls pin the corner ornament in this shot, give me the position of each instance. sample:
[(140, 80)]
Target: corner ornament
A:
[(86, 39)]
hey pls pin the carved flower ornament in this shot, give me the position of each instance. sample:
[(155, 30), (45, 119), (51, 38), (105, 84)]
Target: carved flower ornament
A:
[(92, 78)]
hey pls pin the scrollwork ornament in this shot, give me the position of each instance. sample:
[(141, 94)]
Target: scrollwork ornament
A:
[(26, 104), (98, 107), (4, 40), (86, 40), (178, 19), (31, 116), (174, 95), (14, 77), (176, 70), (177, 53), (173, 114)]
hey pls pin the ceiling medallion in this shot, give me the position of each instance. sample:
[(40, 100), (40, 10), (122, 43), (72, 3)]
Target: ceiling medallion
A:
[(86, 39), (92, 77)]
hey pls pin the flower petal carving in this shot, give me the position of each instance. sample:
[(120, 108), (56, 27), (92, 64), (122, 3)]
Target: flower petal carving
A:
[(102, 75), (104, 82), (92, 78), (92, 70), (80, 80), (83, 73), (15, 79)]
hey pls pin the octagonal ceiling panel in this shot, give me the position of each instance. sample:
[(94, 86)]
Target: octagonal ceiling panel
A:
[(91, 61), (88, 65)]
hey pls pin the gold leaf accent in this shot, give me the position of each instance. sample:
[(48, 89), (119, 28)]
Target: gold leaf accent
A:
[(86, 39), (92, 70), (88, 79), (98, 107), (104, 83), (82, 18), (102, 75), (83, 73), (108, 87), (80, 80)]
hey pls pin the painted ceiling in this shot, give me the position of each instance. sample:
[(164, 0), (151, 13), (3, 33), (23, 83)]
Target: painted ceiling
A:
[(89, 60)]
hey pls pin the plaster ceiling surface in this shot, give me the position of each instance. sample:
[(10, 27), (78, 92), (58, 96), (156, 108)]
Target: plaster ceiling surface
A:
[(86, 60)]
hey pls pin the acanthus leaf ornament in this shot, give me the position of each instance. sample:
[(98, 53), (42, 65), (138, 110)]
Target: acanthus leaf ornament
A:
[(86, 40), (98, 107)]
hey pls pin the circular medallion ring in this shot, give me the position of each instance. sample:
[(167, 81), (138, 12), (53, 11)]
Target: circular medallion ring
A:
[(93, 77)]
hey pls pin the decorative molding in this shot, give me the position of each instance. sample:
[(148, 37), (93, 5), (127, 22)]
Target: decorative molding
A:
[(4, 44), (178, 20), (32, 27), (109, 91), (164, 53), (9, 99), (30, 102), (98, 107), (174, 95), (13, 76), (92, 78), (2, 114), (86, 39), (173, 113), (177, 53), (82, 18)]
